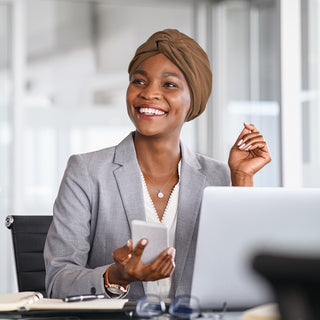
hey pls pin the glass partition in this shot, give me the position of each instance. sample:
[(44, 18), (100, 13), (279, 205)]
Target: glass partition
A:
[(310, 61), (5, 135), (246, 78), (76, 79)]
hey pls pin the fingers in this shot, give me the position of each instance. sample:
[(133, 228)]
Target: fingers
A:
[(129, 244), (128, 258), (250, 127), (129, 262), (138, 250), (122, 255), (163, 265), (250, 138), (171, 251), (252, 141), (244, 131), (168, 267)]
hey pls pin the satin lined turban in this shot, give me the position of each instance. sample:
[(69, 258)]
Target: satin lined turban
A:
[(188, 56)]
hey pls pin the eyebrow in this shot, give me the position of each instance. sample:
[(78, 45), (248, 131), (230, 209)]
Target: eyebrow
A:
[(165, 74), (140, 72), (170, 74)]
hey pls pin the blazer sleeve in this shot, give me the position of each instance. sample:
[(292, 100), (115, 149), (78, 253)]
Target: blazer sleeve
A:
[(69, 237)]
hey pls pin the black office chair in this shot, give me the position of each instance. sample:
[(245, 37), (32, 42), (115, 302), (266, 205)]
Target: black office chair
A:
[(29, 236)]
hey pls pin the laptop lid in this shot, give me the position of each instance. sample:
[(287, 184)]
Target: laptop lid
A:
[(236, 223)]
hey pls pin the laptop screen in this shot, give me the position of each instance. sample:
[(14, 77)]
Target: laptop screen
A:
[(235, 224)]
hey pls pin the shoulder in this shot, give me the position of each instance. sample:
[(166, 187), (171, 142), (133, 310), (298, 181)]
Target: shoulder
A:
[(83, 169), (209, 164), (217, 172), (105, 158), (95, 158)]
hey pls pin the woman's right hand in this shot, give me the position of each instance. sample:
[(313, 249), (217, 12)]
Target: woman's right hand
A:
[(128, 266)]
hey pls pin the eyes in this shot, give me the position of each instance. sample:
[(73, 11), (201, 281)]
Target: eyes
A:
[(165, 84), (171, 85)]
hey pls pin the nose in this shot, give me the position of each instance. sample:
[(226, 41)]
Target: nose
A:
[(150, 91)]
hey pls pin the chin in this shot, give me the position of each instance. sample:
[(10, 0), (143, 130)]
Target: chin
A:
[(148, 133)]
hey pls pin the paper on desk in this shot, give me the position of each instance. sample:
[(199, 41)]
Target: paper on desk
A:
[(264, 312), (33, 301), (98, 304)]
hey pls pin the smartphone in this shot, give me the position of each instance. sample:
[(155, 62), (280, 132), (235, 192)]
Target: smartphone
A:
[(157, 235)]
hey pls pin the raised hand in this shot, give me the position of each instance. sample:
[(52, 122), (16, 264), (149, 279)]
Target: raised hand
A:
[(248, 155)]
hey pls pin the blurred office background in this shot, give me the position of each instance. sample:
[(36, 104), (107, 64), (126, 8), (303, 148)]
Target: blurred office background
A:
[(63, 78)]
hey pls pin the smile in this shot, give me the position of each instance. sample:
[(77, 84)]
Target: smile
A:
[(151, 111)]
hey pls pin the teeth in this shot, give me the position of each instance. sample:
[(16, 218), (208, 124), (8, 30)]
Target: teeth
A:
[(151, 111)]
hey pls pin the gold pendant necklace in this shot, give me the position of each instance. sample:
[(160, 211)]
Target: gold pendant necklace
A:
[(160, 193)]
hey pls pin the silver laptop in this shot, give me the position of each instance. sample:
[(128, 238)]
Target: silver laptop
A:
[(235, 224)]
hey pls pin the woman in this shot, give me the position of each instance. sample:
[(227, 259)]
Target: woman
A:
[(151, 175)]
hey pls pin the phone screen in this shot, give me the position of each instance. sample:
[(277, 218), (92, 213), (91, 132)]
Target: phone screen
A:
[(157, 235)]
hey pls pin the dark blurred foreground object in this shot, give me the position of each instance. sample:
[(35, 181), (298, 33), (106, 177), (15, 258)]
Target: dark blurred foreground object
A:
[(296, 283)]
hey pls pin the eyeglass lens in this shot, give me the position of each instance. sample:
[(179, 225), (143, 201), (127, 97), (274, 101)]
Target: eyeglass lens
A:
[(185, 307), (150, 306), (182, 307)]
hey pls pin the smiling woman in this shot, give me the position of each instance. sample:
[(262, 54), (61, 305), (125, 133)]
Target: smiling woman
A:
[(158, 98), (151, 175), (188, 57)]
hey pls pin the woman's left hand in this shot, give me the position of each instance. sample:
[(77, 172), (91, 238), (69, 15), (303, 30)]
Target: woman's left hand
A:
[(248, 155)]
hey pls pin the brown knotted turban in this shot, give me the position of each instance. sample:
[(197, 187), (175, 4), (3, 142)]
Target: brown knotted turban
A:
[(188, 56)]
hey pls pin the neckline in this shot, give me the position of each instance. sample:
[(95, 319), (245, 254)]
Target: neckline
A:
[(170, 197)]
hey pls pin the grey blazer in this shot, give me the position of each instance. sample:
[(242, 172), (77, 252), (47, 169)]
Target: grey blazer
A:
[(100, 194)]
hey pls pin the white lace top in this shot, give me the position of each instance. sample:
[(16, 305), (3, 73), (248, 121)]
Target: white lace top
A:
[(169, 218)]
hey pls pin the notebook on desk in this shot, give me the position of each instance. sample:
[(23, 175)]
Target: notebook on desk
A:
[(31, 302), (235, 224)]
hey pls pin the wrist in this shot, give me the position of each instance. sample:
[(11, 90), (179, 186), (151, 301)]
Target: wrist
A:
[(113, 276), (240, 179)]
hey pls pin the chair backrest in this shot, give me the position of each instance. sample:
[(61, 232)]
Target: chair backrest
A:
[(29, 235)]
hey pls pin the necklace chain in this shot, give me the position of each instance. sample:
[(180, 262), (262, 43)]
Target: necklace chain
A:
[(160, 194)]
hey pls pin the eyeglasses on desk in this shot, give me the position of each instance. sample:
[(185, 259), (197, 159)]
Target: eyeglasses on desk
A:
[(182, 307)]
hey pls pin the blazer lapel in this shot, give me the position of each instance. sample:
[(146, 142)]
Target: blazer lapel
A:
[(191, 188), (128, 179), (129, 183)]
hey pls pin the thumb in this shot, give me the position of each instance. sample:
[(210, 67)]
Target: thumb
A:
[(124, 253), (138, 250)]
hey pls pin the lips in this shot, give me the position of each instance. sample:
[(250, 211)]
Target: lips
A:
[(150, 111)]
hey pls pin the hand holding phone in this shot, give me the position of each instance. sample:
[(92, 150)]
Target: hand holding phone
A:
[(139, 261), (157, 235)]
